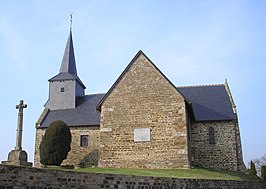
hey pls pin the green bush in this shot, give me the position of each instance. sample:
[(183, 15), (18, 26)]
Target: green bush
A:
[(55, 144), (263, 172), (252, 169)]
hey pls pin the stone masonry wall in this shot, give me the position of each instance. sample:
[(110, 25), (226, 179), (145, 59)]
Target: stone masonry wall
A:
[(79, 156), (12, 177), (143, 98), (222, 154), (38, 138), (241, 165)]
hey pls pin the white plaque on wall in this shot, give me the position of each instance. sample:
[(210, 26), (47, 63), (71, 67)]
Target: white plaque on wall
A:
[(105, 129), (142, 134)]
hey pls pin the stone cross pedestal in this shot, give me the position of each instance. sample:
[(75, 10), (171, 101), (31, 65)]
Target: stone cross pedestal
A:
[(18, 156)]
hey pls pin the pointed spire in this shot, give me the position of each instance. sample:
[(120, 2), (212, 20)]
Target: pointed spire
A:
[(68, 64), (68, 69)]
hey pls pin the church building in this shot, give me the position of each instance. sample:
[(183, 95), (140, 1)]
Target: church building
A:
[(143, 120)]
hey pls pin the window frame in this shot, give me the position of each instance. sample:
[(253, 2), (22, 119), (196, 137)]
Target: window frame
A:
[(82, 137), (211, 135)]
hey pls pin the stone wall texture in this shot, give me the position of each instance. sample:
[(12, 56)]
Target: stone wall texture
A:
[(12, 177), (79, 156), (223, 154), (143, 98)]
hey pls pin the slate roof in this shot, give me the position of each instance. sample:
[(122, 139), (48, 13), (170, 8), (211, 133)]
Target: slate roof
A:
[(68, 69), (210, 102), (85, 114), (68, 61), (63, 76), (67, 76)]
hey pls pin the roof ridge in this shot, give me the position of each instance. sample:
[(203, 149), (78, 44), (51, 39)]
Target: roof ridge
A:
[(95, 94), (206, 85)]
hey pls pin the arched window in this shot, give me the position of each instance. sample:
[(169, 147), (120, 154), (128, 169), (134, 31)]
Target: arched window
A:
[(211, 136)]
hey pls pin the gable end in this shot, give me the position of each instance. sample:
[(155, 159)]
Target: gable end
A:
[(98, 107)]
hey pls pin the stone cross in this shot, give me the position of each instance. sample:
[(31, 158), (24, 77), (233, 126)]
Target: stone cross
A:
[(18, 156), (20, 107)]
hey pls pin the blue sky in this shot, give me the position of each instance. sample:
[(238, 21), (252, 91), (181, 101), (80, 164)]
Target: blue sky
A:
[(191, 42)]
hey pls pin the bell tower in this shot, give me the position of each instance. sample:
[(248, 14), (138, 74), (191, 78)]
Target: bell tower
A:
[(66, 86)]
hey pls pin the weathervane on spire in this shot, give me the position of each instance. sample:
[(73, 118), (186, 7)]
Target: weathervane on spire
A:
[(71, 15)]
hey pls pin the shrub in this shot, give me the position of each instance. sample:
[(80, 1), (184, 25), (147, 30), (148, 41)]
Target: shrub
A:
[(263, 172), (55, 144), (252, 170)]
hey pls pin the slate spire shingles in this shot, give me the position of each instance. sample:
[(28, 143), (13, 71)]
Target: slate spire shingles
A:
[(209, 102), (85, 114), (68, 69), (68, 64)]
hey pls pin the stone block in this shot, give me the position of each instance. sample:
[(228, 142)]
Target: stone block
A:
[(17, 157)]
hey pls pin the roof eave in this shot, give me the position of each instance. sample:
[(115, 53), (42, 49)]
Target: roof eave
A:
[(93, 125), (215, 120), (74, 77)]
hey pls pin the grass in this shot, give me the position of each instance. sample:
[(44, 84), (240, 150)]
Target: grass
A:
[(174, 173)]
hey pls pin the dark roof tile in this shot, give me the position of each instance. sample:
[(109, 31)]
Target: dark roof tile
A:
[(67, 76), (68, 62), (209, 103), (85, 114)]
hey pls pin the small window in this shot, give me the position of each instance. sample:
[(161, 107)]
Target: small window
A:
[(211, 136), (84, 140), (62, 89)]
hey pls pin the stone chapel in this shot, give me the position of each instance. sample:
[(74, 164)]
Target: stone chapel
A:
[(143, 120)]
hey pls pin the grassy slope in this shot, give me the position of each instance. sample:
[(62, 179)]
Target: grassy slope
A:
[(174, 173)]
